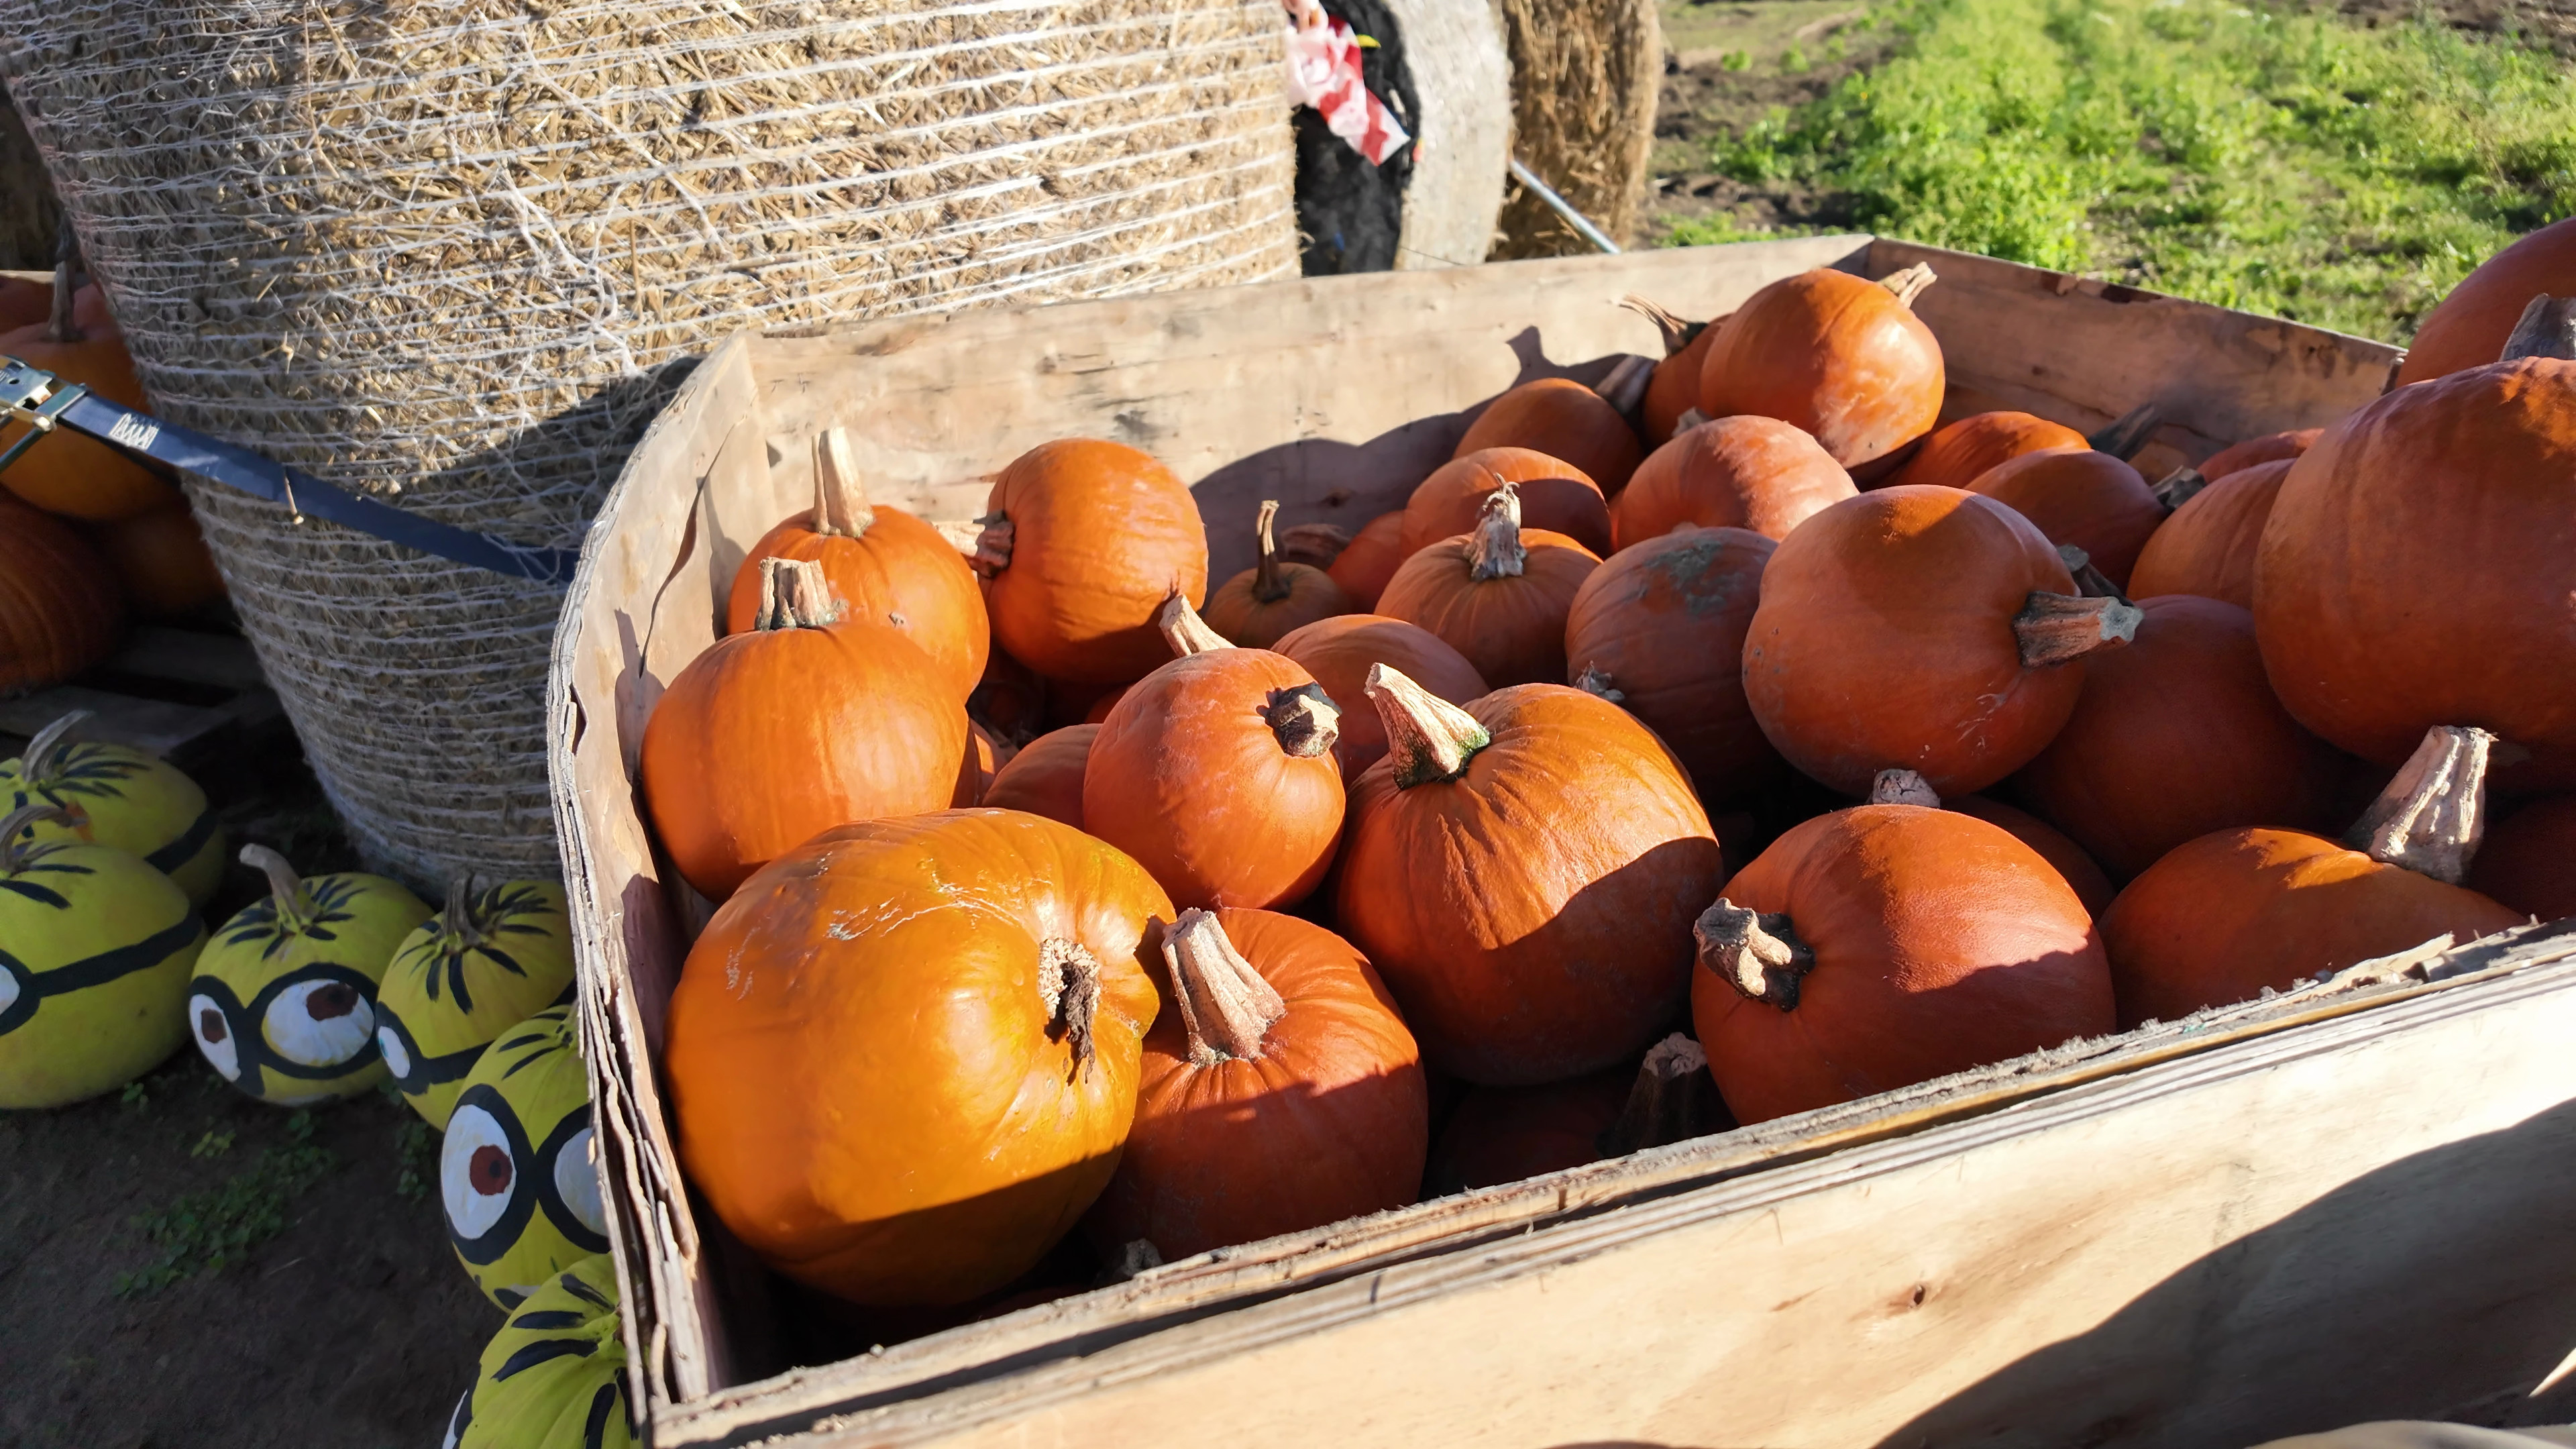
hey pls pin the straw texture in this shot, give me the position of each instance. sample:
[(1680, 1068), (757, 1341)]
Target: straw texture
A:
[(1584, 79), (459, 250)]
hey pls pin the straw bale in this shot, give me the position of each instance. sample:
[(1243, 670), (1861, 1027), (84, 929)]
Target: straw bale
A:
[(460, 250), (1584, 78)]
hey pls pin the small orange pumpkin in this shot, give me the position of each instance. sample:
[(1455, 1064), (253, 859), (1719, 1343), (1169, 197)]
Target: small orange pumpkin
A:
[(1960, 453), (1498, 595), (2080, 498), (1842, 359), (1272, 598), (1339, 652), (2209, 544), (69, 474), (2269, 448), (1045, 777), (1083, 540), (59, 612), (162, 560), (1659, 630), (1554, 495), (1560, 418), (1372, 557), (1740, 472), (1673, 390)]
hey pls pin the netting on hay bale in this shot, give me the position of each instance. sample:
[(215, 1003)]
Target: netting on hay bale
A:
[(1584, 78), (459, 250)]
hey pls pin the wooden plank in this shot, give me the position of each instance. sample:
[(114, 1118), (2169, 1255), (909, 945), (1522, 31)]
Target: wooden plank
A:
[(155, 725)]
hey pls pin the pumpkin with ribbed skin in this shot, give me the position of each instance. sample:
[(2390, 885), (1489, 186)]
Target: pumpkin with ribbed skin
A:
[(555, 1374), (1505, 1134), (1216, 772), (517, 1175), (1084, 541), (1742, 472), (1560, 418), (1045, 777), (2081, 872), (979, 979), (804, 723), (95, 949), (1273, 597), (1373, 556), (1659, 629), (2208, 546), (1279, 1091), (2468, 327), (59, 601), (2286, 447), (492, 959), (76, 476), (1919, 628), (162, 562), (2419, 569), (2220, 918), (1843, 359), (1958, 454), (1885, 945), (2080, 498), (1498, 595), (124, 797), (1339, 652), (1523, 872), (2529, 861), (1554, 495), (884, 565)]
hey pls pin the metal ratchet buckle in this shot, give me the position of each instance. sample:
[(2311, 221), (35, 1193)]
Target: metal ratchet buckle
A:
[(28, 395)]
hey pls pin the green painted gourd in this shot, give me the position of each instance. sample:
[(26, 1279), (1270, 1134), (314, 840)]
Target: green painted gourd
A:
[(491, 960), (129, 799), (554, 1377), (515, 1172), (95, 948), (284, 1002)]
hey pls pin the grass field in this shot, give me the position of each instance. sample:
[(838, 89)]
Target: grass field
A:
[(2284, 162)]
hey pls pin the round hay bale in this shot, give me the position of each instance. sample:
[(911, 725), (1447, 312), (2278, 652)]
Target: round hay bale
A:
[(459, 250), (1584, 78)]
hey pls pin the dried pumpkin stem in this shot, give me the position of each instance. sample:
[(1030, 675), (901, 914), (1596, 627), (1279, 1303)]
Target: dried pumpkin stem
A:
[(1267, 586), (993, 546), (1305, 720), (1069, 989), (293, 902), (2547, 328), (1909, 283), (841, 508), (2123, 438), (2432, 817), (1674, 1100), (1313, 544), (1494, 550), (1626, 385), (1903, 787), (2090, 582), (1678, 334), (795, 595), (2178, 487), (40, 762), (1759, 955), (17, 823), (459, 924), (1226, 1008), (2062, 628), (1429, 738), (1595, 680), (1184, 630)]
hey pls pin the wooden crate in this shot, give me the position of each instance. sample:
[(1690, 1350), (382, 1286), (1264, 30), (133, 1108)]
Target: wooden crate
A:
[(2341, 1203)]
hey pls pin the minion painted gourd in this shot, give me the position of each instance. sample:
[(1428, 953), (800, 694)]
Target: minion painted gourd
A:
[(120, 796), (284, 1000), (554, 1377), (488, 962), (95, 948), (515, 1172)]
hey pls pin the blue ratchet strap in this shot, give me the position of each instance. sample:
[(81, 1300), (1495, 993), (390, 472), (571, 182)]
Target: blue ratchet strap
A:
[(32, 396)]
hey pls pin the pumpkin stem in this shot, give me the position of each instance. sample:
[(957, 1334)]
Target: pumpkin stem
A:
[(2090, 582), (1314, 544), (2178, 487), (1494, 551), (1678, 334), (1429, 738), (993, 546), (1903, 787), (459, 924), (1759, 955), (1069, 986), (2062, 628), (841, 507), (1226, 1007), (1305, 720), (1625, 387), (293, 902), (794, 595), (20, 822), (1184, 630), (1267, 586), (1674, 1100), (60, 327), (2123, 438), (1595, 680), (1909, 283), (39, 763), (2431, 817), (2547, 328)]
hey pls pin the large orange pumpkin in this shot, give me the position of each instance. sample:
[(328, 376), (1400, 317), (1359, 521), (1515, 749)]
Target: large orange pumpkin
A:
[(1498, 595), (1524, 872), (2468, 328), (1272, 597), (2529, 861), (1841, 358), (1741, 472), (1373, 556), (2079, 870), (1674, 388), (69, 474), (1339, 651), (1659, 629), (1885, 945), (1924, 629), (902, 1060), (1280, 1091), (884, 565), (2222, 917), (2419, 569), (2209, 544), (1045, 777), (59, 610), (1554, 495), (2080, 498), (2270, 448), (1958, 454), (2177, 736), (1083, 540), (1563, 419), (162, 561), (800, 725), (1216, 772)]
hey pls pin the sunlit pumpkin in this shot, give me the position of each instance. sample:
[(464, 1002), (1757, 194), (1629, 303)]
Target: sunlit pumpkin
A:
[(2468, 327), (1841, 358), (1560, 418), (1498, 595), (122, 796), (1674, 388), (1083, 540), (1339, 653), (2209, 544), (1554, 495), (76, 476), (1659, 630), (1272, 597), (1045, 777), (1741, 472), (1374, 554), (1958, 454), (2081, 498), (2079, 870)]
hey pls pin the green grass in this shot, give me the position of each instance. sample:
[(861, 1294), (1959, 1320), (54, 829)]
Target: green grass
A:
[(206, 1232), (2276, 161)]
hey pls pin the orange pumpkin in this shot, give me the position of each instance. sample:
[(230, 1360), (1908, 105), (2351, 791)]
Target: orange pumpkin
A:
[(69, 474), (2529, 861), (2208, 545), (24, 302), (1741, 472), (1560, 418), (2078, 870), (884, 565), (1960, 453), (1338, 653), (1271, 598), (2468, 328), (1674, 388), (1918, 628), (976, 767), (802, 724), (1554, 496), (1659, 630), (2270, 448), (2083, 499), (1045, 777), (1498, 595), (976, 979), (1216, 772), (1843, 359), (162, 560), (1506, 1134), (1083, 540), (1523, 872), (1885, 945), (1372, 558), (59, 612), (1280, 1091)]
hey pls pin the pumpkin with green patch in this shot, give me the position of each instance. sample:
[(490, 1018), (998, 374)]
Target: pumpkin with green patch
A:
[(491, 960), (120, 796), (555, 1375), (515, 1171)]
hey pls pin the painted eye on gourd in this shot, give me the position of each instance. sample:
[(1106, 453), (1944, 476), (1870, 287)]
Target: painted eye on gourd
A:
[(476, 1175), (320, 1023), (457, 1421), (577, 1182), (214, 1036), (397, 1060), (8, 990)]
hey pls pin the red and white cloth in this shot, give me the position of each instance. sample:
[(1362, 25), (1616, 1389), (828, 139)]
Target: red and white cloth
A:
[(1324, 72)]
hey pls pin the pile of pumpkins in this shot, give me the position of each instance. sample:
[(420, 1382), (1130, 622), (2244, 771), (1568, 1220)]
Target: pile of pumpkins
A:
[(88, 535), (327, 987), (1631, 780)]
